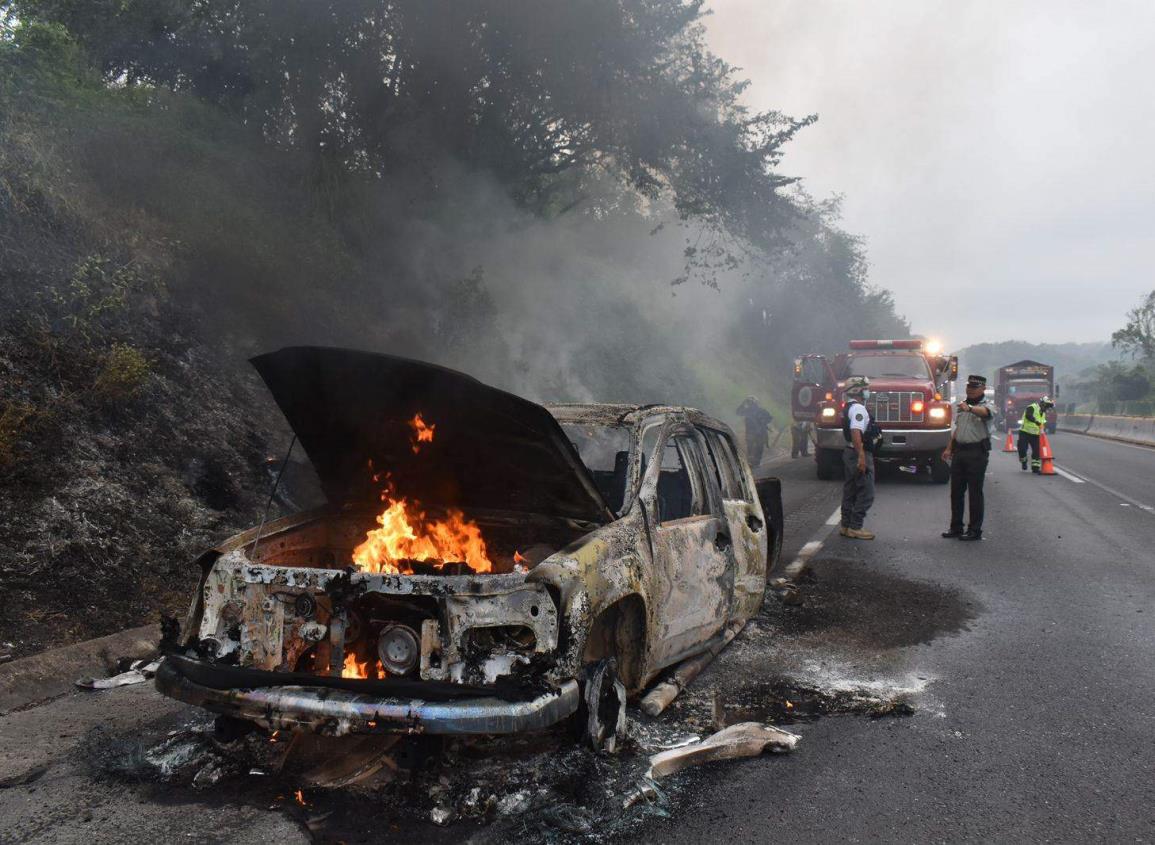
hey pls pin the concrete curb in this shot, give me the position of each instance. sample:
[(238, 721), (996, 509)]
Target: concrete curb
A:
[(53, 673), (1139, 431)]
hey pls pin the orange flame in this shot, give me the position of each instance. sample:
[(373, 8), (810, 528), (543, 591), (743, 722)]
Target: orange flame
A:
[(300, 797), (406, 534), (422, 433), (518, 557), (355, 668)]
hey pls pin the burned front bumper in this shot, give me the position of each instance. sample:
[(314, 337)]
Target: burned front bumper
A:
[(336, 712)]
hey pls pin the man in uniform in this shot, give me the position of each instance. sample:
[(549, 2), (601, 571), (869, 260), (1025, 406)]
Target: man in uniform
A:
[(1030, 427), (857, 461), (758, 419), (968, 452)]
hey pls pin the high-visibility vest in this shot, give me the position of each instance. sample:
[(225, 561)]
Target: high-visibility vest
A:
[(1028, 427)]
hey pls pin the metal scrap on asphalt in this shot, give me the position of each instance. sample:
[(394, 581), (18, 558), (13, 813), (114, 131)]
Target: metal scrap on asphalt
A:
[(139, 672)]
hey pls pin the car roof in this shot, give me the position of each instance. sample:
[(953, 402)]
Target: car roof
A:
[(632, 415)]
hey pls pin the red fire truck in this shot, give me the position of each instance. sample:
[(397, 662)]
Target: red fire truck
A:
[(1017, 386), (909, 399)]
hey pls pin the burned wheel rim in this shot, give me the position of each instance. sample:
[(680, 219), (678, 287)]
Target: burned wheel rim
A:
[(603, 706)]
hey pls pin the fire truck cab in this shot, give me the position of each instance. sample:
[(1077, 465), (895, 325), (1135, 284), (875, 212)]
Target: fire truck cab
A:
[(909, 399)]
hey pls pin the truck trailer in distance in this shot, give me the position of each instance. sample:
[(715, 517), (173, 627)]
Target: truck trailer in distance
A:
[(1017, 386)]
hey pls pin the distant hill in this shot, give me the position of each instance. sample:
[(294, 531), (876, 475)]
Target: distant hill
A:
[(1069, 359)]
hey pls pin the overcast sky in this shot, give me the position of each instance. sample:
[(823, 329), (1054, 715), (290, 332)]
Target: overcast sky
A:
[(997, 155)]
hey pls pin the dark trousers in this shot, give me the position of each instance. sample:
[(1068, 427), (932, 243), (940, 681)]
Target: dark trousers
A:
[(799, 440), (1031, 440), (755, 446), (857, 489), (967, 472)]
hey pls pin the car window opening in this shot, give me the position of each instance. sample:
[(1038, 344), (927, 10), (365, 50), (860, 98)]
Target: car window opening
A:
[(605, 451)]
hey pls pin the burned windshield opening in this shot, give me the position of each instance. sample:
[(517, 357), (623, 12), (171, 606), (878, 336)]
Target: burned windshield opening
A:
[(605, 451)]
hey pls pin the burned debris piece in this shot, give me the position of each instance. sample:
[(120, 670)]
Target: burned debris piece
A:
[(746, 739), (138, 672), (485, 565)]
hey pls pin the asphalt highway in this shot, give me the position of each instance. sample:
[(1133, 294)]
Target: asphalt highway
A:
[(1035, 720), (1024, 666)]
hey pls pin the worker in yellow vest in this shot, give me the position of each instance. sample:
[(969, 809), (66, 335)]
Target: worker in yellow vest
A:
[(1030, 427)]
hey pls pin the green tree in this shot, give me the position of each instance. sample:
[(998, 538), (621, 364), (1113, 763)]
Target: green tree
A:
[(543, 93), (1137, 338), (1119, 383)]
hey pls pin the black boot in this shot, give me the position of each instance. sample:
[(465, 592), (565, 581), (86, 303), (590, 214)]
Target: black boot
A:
[(952, 533), (972, 534)]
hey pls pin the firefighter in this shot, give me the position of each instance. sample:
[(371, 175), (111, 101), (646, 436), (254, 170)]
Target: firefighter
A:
[(857, 460), (1030, 427), (758, 420), (800, 439), (968, 452)]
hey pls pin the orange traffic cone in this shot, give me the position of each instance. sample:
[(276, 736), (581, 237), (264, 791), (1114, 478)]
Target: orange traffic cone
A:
[(1009, 446), (1047, 456)]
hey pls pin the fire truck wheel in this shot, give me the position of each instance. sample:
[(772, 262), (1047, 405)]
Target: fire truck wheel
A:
[(829, 464), (940, 471)]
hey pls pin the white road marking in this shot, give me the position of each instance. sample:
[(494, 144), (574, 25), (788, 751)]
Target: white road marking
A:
[(1067, 474), (1127, 501), (807, 551), (810, 549)]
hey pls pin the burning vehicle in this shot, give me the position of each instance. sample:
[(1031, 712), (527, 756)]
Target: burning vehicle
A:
[(485, 565)]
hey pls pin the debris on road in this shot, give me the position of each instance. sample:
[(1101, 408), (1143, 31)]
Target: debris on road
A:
[(138, 672), (747, 739), (334, 762)]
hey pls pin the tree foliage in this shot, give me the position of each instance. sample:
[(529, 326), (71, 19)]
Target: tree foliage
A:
[(539, 92), (1137, 338)]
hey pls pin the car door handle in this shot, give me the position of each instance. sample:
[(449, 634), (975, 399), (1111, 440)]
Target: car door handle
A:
[(721, 541), (754, 522)]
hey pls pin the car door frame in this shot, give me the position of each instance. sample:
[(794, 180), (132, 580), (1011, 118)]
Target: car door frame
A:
[(691, 584), (749, 527)]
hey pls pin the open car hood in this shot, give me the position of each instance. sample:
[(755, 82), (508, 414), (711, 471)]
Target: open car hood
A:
[(351, 412)]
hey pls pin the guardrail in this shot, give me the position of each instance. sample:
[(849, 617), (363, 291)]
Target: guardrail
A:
[(1140, 430)]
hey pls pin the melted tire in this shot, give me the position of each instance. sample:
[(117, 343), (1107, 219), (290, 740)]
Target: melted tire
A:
[(600, 720)]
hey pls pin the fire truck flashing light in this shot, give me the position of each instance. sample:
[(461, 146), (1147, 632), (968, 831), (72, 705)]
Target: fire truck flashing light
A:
[(886, 344)]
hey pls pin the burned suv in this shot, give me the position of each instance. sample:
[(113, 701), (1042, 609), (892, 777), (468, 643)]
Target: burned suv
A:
[(485, 565)]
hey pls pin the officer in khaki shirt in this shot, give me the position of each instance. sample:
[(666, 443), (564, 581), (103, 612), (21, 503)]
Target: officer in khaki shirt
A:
[(968, 452)]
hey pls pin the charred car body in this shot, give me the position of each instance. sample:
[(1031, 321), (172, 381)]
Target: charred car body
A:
[(526, 563)]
